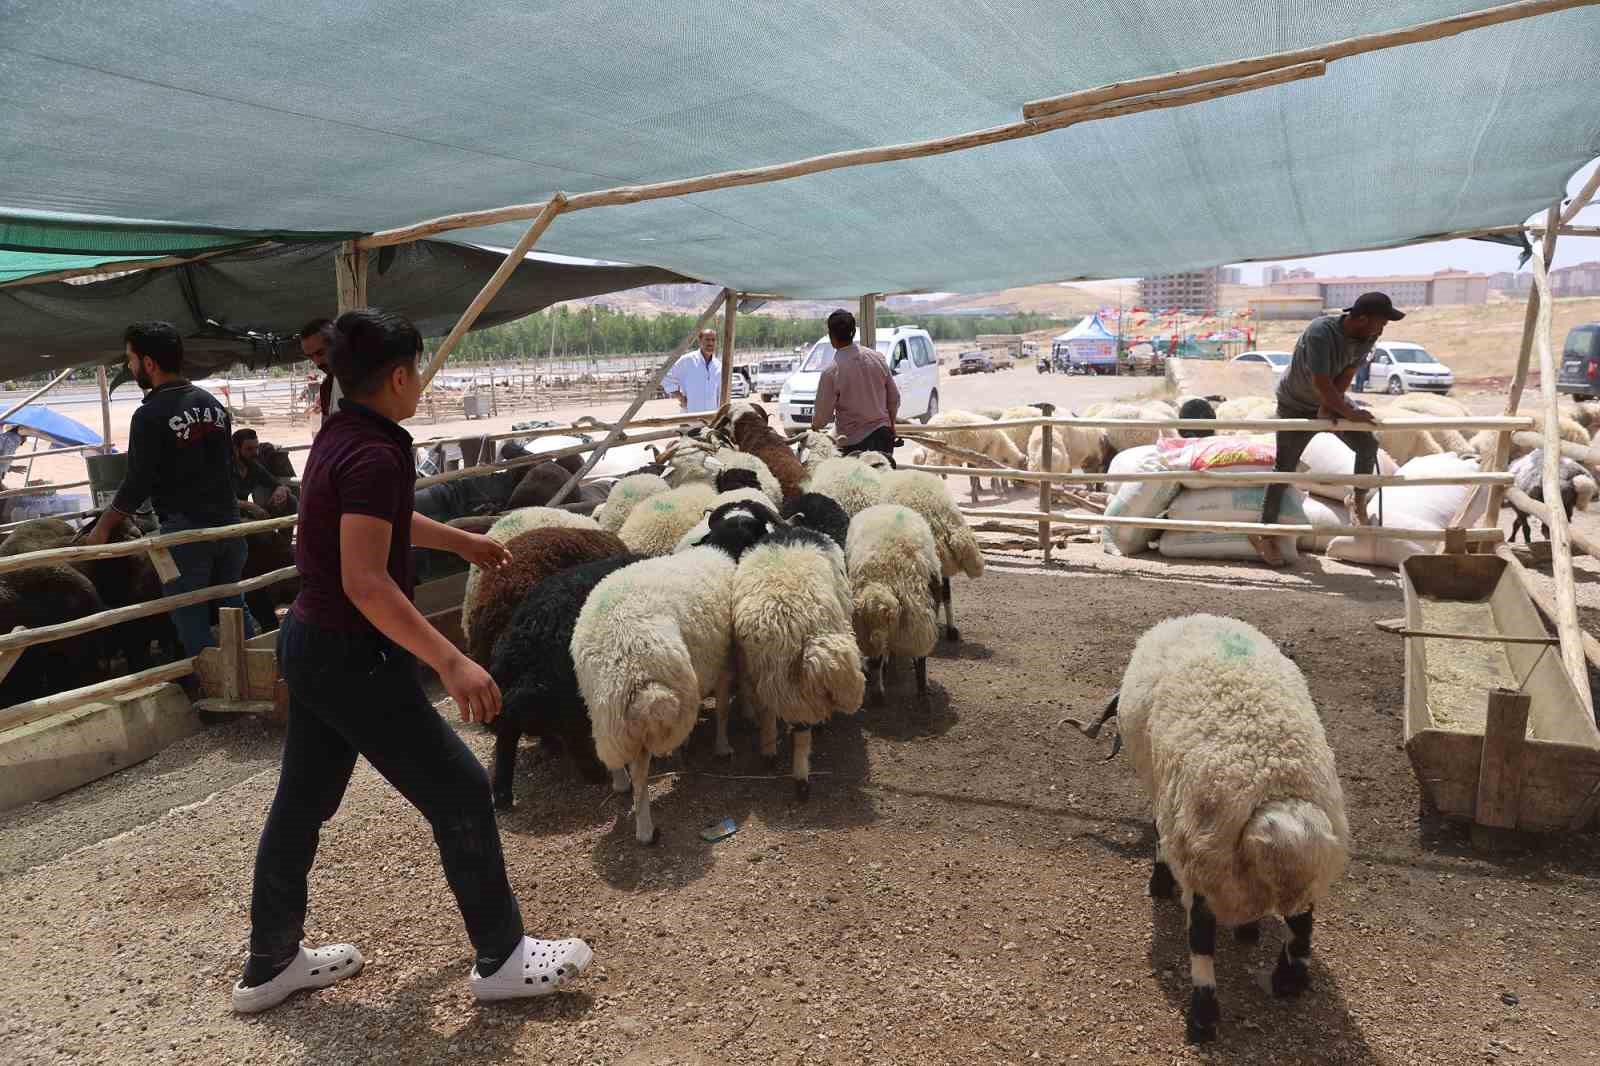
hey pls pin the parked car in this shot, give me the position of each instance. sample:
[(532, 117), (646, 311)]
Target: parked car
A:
[(1277, 361), (1400, 366), (739, 386), (910, 354), (772, 373), (1580, 363), (976, 361)]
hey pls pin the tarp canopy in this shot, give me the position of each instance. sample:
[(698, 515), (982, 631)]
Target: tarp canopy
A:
[(258, 298), (1090, 329), (148, 128), (16, 266), (41, 421)]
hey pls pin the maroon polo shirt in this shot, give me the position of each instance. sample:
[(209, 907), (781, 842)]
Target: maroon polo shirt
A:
[(361, 463)]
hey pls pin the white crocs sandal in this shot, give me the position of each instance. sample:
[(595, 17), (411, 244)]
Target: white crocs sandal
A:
[(312, 968), (536, 968)]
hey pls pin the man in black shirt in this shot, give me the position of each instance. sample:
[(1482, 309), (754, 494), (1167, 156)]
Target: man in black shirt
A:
[(179, 458), (252, 480)]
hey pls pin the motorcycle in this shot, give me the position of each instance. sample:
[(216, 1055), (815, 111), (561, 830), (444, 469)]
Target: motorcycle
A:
[(1043, 366)]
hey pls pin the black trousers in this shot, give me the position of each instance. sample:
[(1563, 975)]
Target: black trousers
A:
[(356, 694), (1292, 444), (879, 440)]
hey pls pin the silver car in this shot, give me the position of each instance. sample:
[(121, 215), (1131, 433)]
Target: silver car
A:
[(1400, 366)]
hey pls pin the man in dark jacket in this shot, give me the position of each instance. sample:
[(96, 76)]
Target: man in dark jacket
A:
[(179, 458), (253, 481)]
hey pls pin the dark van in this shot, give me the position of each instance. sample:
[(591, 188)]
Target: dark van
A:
[(1580, 363)]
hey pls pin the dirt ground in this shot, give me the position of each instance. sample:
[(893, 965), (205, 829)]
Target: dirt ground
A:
[(966, 884)]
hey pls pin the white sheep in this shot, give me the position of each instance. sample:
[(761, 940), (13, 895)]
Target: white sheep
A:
[(1071, 448), (993, 443), (653, 640), (818, 448), (851, 483), (655, 526), (1122, 438), (1414, 404), (952, 537), (1019, 434), (797, 654), (894, 572), (625, 496), (1249, 813)]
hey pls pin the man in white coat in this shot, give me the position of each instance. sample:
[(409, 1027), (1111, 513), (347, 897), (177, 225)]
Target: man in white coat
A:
[(696, 378)]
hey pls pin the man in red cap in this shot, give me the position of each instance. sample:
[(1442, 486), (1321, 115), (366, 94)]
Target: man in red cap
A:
[(1326, 358)]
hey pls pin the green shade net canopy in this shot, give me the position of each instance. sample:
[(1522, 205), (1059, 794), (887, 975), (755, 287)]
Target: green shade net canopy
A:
[(139, 127)]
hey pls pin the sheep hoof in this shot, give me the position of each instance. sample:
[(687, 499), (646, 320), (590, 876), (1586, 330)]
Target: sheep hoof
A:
[(1249, 933), (952, 634), (1195, 1033), (654, 838), (1290, 977), (504, 801), (1201, 1022), (1162, 884), (802, 790)]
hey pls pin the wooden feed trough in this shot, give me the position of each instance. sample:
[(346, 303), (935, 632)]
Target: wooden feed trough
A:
[(1481, 749)]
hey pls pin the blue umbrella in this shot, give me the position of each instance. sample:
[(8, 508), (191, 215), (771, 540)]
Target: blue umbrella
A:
[(57, 427)]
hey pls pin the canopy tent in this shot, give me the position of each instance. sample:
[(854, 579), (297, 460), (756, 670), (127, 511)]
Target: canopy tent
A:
[(39, 421), (398, 110), (1088, 343), (257, 298)]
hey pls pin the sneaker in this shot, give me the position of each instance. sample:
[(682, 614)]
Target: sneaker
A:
[(312, 968), (536, 968)]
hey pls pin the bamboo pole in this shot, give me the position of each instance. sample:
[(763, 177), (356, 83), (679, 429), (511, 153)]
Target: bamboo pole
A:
[(1342, 49), (105, 409), (732, 179), (1484, 534), (1254, 425), (496, 282), (645, 393), (1519, 378), (1581, 201), (141, 546), (101, 619), (1222, 478), (1047, 461), (1556, 526), (867, 321), (730, 314), (36, 393), (584, 424), (125, 266), (19, 714), (41, 490)]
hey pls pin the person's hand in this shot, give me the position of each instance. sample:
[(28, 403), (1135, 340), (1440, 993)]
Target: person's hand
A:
[(479, 550), (280, 495), (477, 696), (1360, 414), (99, 534)]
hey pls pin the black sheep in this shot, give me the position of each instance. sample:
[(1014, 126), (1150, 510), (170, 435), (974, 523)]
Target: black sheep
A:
[(737, 478), (42, 596), (813, 510), (532, 664)]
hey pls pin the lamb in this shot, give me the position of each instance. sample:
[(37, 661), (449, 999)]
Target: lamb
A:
[(813, 510), (651, 641), (1527, 474), (1122, 438), (993, 443), (1249, 814), (535, 555), (625, 495), (849, 482), (952, 537), (531, 661), (655, 527), (894, 580), (797, 654), (1246, 408), (745, 424), (1587, 415)]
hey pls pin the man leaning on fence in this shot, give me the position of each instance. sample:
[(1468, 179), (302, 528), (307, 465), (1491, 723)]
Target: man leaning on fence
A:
[(180, 458), (1326, 359)]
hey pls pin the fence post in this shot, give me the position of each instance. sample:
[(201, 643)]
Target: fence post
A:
[(1046, 464), (230, 633)]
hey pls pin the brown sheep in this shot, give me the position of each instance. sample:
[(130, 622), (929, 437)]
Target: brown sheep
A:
[(745, 424), (535, 555)]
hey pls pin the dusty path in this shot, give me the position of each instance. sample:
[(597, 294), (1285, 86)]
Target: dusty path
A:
[(965, 886)]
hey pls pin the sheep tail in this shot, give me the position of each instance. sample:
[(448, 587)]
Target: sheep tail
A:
[(830, 665), (1292, 846), (877, 611), (1585, 487), (1092, 730)]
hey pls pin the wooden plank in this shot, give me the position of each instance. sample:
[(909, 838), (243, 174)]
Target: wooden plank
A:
[(33, 710), (1221, 478), (867, 321), (1253, 425), (166, 566), (1591, 646), (350, 276), (1505, 735), (9, 659), (264, 708), (260, 665), (730, 316), (1046, 464), (1481, 534), (230, 638), (143, 545)]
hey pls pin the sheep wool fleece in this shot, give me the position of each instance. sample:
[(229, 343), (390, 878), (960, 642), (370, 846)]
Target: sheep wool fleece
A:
[(1223, 735), (625, 495), (952, 537), (892, 563), (849, 482), (652, 640), (658, 523)]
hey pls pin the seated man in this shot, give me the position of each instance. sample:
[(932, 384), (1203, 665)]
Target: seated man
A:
[(252, 481)]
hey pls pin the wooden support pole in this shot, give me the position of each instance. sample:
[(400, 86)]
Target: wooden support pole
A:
[(730, 315), (645, 393), (1342, 49), (105, 409), (230, 633), (1581, 201), (9, 659), (1519, 377), (350, 274), (84, 552), (867, 321), (1505, 735), (1223, 478), (496, 282), (1557, 529), (1046, 464)]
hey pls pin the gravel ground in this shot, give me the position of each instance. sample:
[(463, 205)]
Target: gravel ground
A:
[(965, 885)]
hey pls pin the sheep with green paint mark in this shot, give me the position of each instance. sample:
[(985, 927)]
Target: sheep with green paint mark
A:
[(851, 483), (625, 495), (894, 586)]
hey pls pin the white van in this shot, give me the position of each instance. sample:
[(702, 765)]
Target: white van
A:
[(911, 358)]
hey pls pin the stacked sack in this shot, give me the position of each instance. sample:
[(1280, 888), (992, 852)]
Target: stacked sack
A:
[(1432, 507)]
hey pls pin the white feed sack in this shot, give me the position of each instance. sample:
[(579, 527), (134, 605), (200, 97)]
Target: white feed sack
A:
[(1419, 507), (1241, 504), (1324, 514), (1136, 499), (1327, 454)]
